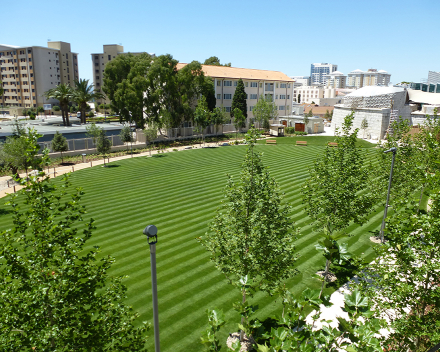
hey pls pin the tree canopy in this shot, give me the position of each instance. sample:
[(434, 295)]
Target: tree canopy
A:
[(239, 99), (215, 61), (82, 94), (64, 94), (265, 110)]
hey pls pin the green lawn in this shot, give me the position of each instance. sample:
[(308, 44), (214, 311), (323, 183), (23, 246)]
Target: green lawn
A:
[(315, 141), (179, 193)]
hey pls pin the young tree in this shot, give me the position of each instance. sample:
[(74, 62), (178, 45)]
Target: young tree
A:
[(239, 121), (239, 100), (59, 144), (250, 239), (218, 117), (338, 192), (202, 117), (405, 279), (93, 132), (265, 110), (306, 122), (364, 126), (40, 109), (103, 144), (150, 135), (126, 135), (57, 296)]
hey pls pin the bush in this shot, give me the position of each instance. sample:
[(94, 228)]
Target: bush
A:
[(56, 108), (290, 130), (90, 114), (32, 116), (301, 133)]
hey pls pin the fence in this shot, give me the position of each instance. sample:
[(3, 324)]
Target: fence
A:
[(82, 143)]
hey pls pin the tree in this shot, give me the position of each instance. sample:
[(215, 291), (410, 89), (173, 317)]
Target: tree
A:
[(239, 99), (59, 144), (338, 192), (202, 117), (250, 239), (306, 122), (126, 135), (265, 110), (55, 294), (239, 121), (405, 278), (56, 108), (364, 126), (64, 94), (309, 114), (73, 109), (299, 98), (215, 61), (218, 117), (103, 144), (150, 135), (20, 151), (93, 131), (40, 109), (328, 115), (82, 94)]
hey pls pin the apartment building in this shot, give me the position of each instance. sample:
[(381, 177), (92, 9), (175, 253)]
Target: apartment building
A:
[(336, 79), (100, 60), (433, 77), (319, 72), (257, 83), (372, 77), (28, 72), (308, 94)]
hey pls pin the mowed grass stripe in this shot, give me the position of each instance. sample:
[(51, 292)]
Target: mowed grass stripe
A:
[(179, 192)]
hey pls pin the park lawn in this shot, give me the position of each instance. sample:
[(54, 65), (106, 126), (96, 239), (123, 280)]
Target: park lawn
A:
[(179, 193), (315, 141)]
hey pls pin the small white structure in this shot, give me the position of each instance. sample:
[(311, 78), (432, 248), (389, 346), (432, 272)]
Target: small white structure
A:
[(315, 123), (277, 130)]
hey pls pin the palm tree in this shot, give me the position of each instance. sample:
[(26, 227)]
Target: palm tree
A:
[(84, 93), (63, 93)]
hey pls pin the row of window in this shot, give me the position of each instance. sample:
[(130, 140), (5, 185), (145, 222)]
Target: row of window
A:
[(248, 96), (250, 108), (253, 84)]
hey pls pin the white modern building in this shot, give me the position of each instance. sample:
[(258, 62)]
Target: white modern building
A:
[(319, 72), (300, 81), (336, 80), (433, 77)]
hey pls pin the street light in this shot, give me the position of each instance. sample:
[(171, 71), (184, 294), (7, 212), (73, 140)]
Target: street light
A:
[(151, 232), (393, 150)]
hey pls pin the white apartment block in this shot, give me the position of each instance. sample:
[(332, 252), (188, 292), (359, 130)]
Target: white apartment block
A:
[(307, 94), (257, 83), (28, 72), (300, 81), (319, 72), (100, 60), (433, 77), (358, 78)]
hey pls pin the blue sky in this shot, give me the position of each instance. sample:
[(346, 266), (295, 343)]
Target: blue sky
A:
[(396, 36)]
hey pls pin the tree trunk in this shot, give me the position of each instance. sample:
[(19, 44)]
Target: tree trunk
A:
[(327, 266), (242, 318)]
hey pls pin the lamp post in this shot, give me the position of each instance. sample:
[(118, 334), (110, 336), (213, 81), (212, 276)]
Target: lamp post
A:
[(151, 232), (393, 150)]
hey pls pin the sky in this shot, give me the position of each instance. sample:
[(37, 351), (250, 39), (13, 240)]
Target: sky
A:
[(287, 36)]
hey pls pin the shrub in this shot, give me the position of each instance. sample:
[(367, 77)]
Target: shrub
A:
[(56, 108), (299, 133), (290, 130), (90, 114), (32, 116)]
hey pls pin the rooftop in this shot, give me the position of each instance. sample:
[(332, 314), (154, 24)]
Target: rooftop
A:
[(243, 73), (369, 91)]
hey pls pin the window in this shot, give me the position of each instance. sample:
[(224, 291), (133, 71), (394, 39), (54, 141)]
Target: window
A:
[(235, 83), (288, 85), (67, 56), (282, 85), (227, 96), (30, 59), (276, 96), (281, 108), (219, 96), (277, 86), (219, 83), (251, 108), (228, 109), (246, 84), (254, 96), (97, 77), (109, 57), (96, 64), (227, 83), (96, 57), (288, 96), (261, 85), (282, 96), (96, 71)]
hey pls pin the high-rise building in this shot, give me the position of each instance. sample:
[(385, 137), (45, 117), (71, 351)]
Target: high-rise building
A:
[(319, 72), (28, 72), (336, 79), (433, 77), (100, 60)]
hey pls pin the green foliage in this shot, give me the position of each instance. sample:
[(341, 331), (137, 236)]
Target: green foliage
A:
[(265, 110), (309, 114), (290, 130), (64, 94), (21, 151), (405, 279), (215, 61), (93, 131), (126, 135), (202, 116), (239, 99), (218, 117), (103, 144), (73, 109), (83, 93), (216, 320), (59, 144), (55, 295), (338, 192), (56, 108), (328, 115), (239, 120), (251, 233)]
